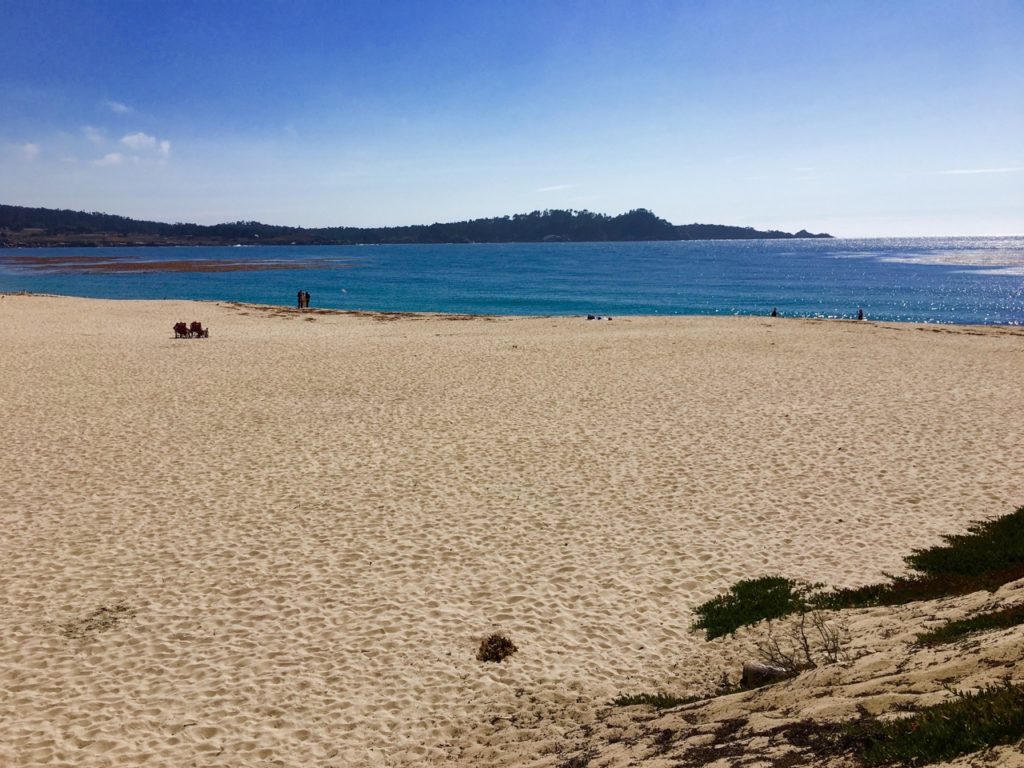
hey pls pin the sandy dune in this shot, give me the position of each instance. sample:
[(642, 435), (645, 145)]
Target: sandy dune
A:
[(884, 673), (281, 545)]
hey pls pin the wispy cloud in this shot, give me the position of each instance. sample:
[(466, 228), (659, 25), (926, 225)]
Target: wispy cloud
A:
[(555, 188), (112, 158), (143, 142), (94, 135), (29, 151), (139, 140), (118, 107), (966, 171)]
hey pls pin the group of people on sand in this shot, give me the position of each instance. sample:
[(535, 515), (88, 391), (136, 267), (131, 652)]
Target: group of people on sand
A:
[(303, 299)]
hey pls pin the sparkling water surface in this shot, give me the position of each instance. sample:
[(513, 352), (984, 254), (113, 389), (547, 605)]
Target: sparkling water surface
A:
[(941, 280)]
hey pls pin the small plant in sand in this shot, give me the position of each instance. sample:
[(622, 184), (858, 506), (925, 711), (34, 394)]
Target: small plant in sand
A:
[(808, 642), (495, 648)]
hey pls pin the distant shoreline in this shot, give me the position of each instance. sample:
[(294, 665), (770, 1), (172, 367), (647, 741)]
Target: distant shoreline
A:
[(53, 228), (123, 243)]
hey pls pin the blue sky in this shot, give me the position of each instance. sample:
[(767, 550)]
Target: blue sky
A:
[(859, 118)]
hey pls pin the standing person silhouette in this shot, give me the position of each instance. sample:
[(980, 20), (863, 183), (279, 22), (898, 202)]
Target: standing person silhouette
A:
[(299, 304), (305, 299)]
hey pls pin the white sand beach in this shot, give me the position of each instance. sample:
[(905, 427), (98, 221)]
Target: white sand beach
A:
[(301, 527)]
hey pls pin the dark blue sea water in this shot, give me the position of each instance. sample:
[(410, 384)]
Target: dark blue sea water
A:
[(959, 280)]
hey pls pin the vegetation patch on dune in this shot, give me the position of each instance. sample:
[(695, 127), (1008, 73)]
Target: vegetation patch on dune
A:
[(968, 723), (954, 630), (988, 555), (749, 602)]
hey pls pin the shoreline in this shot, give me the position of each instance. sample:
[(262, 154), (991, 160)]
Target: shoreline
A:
[(469, 316)]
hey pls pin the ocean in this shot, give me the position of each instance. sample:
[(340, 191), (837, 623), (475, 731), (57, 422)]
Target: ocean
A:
[(932, 280)]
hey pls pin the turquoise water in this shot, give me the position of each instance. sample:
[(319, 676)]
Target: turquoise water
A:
[(959, 280)]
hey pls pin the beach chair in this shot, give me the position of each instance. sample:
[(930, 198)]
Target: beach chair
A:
[(180, 331), (197, 331)]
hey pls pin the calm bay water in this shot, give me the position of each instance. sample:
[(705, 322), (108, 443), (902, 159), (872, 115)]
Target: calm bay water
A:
[(947, 280)]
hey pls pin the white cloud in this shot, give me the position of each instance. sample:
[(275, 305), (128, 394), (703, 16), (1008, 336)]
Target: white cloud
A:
[(113, 158), (139, 140), (142, 142), (118, 107), (555, 188), (95, 135), (29, 151), (981, 170)]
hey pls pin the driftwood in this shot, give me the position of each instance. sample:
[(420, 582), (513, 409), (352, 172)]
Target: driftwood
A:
[(755, 674)]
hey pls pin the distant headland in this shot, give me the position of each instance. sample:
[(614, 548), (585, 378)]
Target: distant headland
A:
[(22, 227)]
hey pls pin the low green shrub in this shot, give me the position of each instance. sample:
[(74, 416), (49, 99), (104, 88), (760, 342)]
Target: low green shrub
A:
[(987, 547), (954, 630), (900, 590), (749, 602), (968, 723), (988, 555)]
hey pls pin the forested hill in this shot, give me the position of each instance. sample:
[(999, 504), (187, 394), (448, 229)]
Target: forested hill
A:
[(23, 227)]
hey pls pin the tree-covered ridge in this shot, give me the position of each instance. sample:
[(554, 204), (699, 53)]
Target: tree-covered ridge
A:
[(45, 226)]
